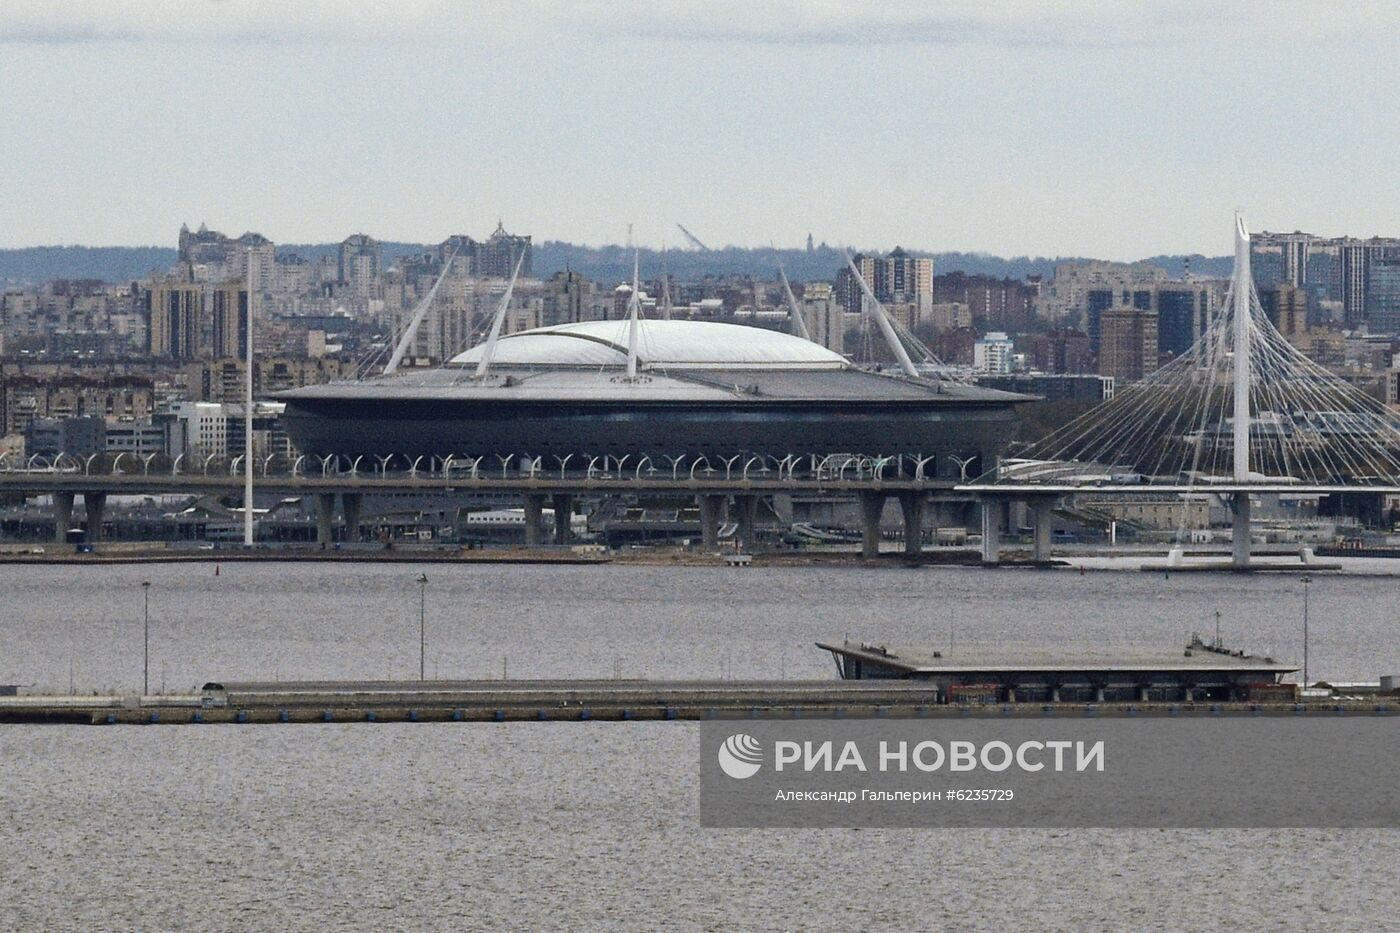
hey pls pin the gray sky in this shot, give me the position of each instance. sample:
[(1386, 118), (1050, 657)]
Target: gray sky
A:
[(1096, 127)]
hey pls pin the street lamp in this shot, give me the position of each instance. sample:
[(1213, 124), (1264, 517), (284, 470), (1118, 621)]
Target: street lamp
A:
[(1306, 581), (422, 626), (146, 616)]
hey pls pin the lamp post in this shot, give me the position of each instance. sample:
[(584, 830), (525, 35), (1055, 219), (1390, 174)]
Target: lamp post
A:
[(1306, 581), (146, 626), (422, 626)]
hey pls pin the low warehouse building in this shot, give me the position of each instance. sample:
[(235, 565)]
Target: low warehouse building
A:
[(1058, 675)]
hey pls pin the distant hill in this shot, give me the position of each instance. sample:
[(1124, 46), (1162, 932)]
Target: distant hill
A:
[(36, 264)]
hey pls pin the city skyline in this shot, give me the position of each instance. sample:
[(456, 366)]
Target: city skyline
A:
[(1010, 129)]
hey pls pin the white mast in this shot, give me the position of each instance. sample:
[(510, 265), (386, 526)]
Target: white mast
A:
[(248, 411), (1242, 285), (886, 328), (633, 307), (665, 285), (419, 313), (799, 325), (488, 354)]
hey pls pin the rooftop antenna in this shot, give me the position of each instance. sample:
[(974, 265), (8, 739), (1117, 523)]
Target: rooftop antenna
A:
[(886, 328), (419, 313), (633, 306), (799, 326), (488, 354)]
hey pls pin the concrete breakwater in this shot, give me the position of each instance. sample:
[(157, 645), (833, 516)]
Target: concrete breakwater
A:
[(600, 700)]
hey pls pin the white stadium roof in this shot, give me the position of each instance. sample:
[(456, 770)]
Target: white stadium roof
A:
[(660, 344)]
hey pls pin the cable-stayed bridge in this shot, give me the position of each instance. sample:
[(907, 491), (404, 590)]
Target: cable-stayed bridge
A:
[(1242, 413)]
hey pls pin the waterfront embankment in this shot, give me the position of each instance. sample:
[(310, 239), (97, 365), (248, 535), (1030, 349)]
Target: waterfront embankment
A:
[(603, 701)]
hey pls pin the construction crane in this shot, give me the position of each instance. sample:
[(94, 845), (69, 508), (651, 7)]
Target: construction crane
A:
[(694, 240)]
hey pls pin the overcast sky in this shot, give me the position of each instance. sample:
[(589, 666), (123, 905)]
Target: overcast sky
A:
[(1094, 127)]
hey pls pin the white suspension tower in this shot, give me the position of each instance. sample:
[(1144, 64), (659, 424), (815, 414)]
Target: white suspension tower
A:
[(253, 284), (634, 308), (1242, 288)]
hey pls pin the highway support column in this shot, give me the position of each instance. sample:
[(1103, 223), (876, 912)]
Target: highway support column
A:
[(991, 530), (94, 503), (1044, 508), (62, 516), (711, 508), (563, 518), (872, 506), (912, 504), (1239, 532), (534, 511), (746, 512), (325, 518), (350, 505)]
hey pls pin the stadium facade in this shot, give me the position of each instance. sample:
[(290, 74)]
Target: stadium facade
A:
[(699, 388)]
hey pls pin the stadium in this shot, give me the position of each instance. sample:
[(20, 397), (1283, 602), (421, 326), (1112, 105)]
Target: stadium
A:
[(650, 387)]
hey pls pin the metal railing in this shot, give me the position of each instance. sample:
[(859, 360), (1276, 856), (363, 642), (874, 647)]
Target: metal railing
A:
[(641, 469)]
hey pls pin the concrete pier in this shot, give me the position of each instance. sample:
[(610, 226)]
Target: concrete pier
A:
[(350, 504), (563, 518), (94, 503), (745, 515), (1239, 532), (534, 512), (711, 511), (62, 516), (325, 518), (872, 507), (912, 504), (1044, 509), (991, 531)]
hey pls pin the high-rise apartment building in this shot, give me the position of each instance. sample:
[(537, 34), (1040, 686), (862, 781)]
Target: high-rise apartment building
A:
[(1328, 269), (359, 264), (1062, 351), (1127, 343), (896, 279), (1067, 297), (993, 353), (1383, 297), (228, 320), (567, 299), (824, 316), (1286, 307), (1006, 304), (496, 258), (176, 319), (1183, 311)]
